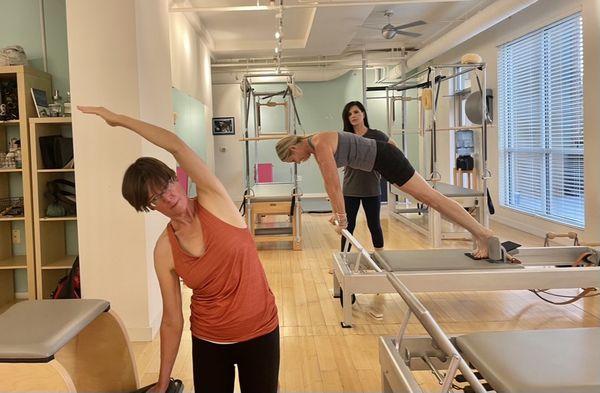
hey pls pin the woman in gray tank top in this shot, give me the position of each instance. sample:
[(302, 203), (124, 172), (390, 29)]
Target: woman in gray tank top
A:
[(334, 150), (362, 187)]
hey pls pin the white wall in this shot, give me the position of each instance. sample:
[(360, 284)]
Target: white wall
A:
[(536, 16), (118, 57), (190, 62), (228, 150)]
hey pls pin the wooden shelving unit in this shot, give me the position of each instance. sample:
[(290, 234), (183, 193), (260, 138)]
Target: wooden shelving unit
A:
[(54, 255), (16, 233)]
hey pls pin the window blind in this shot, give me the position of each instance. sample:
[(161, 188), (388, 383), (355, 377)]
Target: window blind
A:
[(540, 107)]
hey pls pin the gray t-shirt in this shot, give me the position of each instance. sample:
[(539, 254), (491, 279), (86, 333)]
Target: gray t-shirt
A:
[(359, 183)]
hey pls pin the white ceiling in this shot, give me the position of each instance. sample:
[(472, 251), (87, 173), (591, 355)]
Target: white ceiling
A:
[(332, 28)]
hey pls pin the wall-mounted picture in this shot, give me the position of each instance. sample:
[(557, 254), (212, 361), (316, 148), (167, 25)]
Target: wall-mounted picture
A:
[(223, 126)]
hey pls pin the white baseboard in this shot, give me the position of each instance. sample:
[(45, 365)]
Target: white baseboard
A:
[(314, 195), (21, 295)]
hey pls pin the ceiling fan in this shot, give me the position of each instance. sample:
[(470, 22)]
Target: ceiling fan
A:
[(389, 31)]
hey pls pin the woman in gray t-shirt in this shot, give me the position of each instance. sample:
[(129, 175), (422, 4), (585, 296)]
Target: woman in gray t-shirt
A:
[(361, 186)]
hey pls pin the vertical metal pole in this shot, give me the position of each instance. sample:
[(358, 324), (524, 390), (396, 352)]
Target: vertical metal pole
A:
[(246, 109), (433, 123), (403, 110), (388, 112), (256, 134), (364, 78), (422, 125), (435, 218), (484, 136)]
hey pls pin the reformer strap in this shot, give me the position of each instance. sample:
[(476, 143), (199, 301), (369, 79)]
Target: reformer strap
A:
[(581, 261)]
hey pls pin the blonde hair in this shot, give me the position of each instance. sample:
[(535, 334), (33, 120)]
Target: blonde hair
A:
[(284, 144)]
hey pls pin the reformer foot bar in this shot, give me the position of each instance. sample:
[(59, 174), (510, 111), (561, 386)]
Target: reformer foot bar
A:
[(447, 270), (539, 361)]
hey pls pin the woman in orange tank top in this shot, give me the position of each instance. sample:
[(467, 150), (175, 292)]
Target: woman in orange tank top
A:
[(207, 244)]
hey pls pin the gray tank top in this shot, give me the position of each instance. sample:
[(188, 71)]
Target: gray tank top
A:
[(355, 152)]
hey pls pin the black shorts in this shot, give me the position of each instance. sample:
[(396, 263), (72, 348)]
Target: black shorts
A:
[(392, 164)]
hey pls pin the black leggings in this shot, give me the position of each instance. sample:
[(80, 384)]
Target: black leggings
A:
[(257, 361), (372, 207), (392, 164)]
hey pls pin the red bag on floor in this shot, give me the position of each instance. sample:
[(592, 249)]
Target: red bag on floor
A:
[(69, 287)]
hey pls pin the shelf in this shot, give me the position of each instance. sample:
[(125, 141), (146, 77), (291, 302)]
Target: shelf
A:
[(50, 120), (65, 262), (10, 122), (60, 170), (18, 218), (11, 170), (14, 262), (65, 218)]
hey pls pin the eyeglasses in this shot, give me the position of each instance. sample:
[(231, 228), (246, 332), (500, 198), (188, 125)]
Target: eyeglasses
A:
[(157, 198)]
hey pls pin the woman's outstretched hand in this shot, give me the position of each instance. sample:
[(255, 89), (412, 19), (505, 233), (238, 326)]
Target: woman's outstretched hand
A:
[(109, 117)]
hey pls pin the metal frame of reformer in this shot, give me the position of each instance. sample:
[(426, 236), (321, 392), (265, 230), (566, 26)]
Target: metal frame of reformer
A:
[(251, 100), (362, 275), (476, 199), (433, 352)]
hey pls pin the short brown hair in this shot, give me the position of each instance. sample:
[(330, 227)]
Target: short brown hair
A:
[(145, 175)]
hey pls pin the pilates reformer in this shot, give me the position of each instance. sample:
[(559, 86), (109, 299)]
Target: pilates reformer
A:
[(441, 270), (264, 195), (473, 199), (538, 361)]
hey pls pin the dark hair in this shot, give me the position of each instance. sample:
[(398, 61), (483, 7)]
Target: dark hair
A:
[(345, 115), (144, 176)]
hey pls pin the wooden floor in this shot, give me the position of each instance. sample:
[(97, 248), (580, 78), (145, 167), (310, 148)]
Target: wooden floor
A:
[(317, 355)]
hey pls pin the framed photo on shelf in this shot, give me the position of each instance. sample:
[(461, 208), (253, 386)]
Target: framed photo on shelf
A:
[(223, 126), (41, 102)]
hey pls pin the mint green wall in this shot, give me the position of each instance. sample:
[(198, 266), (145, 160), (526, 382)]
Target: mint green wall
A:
[(320, 109), (56, 44), (190, 124), (20, 25)]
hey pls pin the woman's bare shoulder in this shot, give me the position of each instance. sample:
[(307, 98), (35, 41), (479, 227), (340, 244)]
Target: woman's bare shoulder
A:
[(325, 137), (163, 245)]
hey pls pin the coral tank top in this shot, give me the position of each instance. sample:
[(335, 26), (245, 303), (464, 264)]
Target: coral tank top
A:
[(231, 300)]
